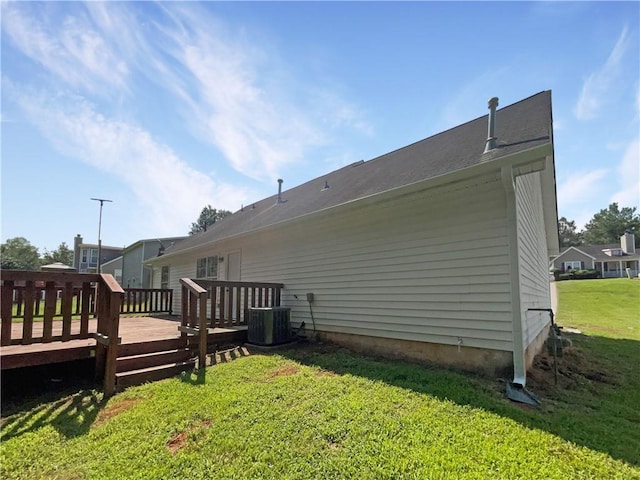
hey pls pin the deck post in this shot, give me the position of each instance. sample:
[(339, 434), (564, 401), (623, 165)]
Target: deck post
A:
[(202, 347), (112, 310), (6, 308)]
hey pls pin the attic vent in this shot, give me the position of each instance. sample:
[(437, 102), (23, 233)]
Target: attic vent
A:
[(326, 186), (279, 190), (491, 138)]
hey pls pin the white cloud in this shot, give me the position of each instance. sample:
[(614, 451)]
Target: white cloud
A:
[(232, 89), (66, 46), (243, 99), (170, 192), (629, 176), (574, 188), (597, 85)]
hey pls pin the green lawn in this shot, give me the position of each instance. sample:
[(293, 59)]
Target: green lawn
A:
[(318, 412), (605, 307)]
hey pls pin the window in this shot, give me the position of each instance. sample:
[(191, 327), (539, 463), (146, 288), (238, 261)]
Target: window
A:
[(94, 256), (207, 267), (573, 265), (84, 254), (164, 277)]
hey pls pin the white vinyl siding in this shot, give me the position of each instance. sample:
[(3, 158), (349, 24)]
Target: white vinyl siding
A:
[(532, 251), (178, 271), (430, 266)]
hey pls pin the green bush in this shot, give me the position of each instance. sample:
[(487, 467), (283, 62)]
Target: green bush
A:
[(583, 274), (579, 275)]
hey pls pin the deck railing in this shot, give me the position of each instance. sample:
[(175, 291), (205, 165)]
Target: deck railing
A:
[(147, 300), (230, 301), (59, 305), (134, 301), (211, 303)]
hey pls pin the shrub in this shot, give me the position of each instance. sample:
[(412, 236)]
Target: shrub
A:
[(583, 274), (579, 274)]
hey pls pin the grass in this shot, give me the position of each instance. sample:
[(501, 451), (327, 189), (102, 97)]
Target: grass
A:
[(323, 412), (605, 307)]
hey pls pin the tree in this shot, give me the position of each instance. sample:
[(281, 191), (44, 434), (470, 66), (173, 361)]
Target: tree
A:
[(207, 217), (568, 235), (62, 254), (609, 224), (18, 254)]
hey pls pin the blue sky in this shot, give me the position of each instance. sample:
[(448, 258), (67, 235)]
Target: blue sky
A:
[(166, 107)]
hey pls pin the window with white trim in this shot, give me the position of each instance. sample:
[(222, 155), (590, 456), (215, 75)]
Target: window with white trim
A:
[(207, 267), (573, 265), (164, 277)]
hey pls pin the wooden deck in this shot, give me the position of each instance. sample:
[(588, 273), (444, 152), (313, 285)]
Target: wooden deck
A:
[(133, 330)]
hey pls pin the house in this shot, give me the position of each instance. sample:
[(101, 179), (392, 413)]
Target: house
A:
[(85, 255), (135, 272), (610, 260), (57, 267), (113, 267), (433, 252)]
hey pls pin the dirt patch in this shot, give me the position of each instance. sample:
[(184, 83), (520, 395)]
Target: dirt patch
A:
[(114, 409), (285, 371), (179, 440), (574, 370)]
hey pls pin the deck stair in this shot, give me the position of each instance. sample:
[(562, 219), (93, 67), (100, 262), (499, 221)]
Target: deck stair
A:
[(150, 361), (138, 363)]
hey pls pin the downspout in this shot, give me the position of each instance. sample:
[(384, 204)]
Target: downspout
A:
[(519, 363)]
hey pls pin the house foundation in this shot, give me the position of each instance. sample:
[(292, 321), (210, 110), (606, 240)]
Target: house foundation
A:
[(471, 359), (477, 360)]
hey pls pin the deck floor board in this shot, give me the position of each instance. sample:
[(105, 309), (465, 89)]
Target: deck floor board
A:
[(132, 330)]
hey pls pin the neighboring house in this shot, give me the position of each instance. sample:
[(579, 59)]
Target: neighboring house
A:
[(434, 252), (135, 272), (610, 260), (85, 255), (114, 267), (57, 267)]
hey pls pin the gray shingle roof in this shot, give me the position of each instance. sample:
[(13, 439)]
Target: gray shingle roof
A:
[(520, 126), (596, 251)]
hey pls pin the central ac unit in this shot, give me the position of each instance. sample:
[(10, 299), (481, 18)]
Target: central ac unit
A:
[(269, 326)]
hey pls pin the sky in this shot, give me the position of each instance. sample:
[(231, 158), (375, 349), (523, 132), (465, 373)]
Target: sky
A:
[(164, 108)]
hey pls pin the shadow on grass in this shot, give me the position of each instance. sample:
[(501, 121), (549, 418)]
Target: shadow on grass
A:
[(228, 354), (61, 395), (595, 404), (193, 377)]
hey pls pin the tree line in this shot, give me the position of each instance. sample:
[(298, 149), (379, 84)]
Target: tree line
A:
[(18, 254), (605, 227)]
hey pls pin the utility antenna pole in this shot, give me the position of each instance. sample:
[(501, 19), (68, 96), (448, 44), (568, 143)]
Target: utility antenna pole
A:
[(101, 200)]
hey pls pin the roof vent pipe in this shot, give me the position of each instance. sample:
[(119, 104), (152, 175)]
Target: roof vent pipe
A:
[(280, 190), (491, 138)]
